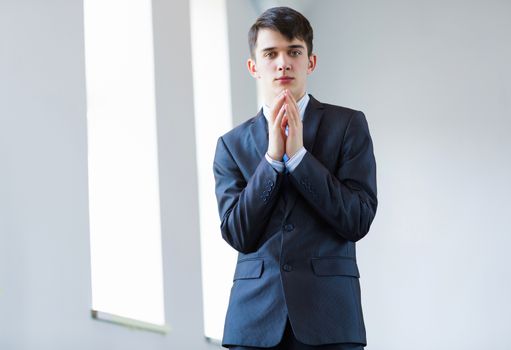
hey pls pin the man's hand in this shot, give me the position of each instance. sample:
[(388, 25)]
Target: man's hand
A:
[(294, 140), (277, 133)]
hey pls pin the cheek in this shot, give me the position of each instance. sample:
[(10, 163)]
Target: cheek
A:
[(269, 67), (268, 72)]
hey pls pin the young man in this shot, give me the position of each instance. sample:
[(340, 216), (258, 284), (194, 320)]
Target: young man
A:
[(294, 196)]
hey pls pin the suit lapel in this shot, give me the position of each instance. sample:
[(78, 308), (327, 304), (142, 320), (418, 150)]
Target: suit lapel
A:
[(311, 121), (259, 134)]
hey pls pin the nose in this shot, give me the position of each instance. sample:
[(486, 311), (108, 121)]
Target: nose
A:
[(283, 64)]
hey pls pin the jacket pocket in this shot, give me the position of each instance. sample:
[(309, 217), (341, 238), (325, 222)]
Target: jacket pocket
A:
[(335, 266), (249, 268)]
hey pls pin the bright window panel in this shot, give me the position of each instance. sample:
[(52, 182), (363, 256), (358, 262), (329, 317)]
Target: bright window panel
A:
[(213, 117), (124, 204)]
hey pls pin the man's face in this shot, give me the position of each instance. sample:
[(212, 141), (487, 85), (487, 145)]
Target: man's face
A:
[(280, 64)]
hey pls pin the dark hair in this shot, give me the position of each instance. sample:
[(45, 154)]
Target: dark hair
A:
[(290, 23)]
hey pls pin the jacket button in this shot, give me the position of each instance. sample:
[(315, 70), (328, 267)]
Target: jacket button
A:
[(287, 267), (289, 227)]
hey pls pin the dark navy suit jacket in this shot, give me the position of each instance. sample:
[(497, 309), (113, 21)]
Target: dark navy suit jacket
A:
[(296, 232)]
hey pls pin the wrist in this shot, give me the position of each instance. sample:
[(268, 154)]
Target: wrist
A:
[(274, 156), (291, 153)]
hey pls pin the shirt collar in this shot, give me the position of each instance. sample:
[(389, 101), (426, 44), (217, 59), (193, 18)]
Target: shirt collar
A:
[(301, 104)]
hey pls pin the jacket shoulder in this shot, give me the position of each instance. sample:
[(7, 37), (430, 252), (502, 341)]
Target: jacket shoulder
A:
[(333, 110), (239, 130), (239, 135), (340, 110)]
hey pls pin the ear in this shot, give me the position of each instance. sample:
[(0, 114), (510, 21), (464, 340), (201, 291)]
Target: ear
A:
[(312, 63), (252, 68)]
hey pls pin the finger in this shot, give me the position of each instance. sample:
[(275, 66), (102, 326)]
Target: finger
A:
[(280, 97), (283, 126), (291, 98), (278, 101), (284, 122), (280, 115), (294, 115)]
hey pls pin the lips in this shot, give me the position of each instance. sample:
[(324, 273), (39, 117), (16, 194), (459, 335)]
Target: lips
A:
[(284, 79)]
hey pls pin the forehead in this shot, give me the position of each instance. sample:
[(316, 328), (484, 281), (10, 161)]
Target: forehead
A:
[(269, 38)]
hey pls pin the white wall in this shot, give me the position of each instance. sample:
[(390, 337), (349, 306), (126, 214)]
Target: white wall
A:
[(433, 79), (240, 16), (45, 294)]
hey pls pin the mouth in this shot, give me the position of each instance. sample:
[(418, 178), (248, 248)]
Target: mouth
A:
[(284, 79)]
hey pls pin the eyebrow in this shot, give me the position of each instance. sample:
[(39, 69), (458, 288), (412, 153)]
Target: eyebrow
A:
[(289, 47)]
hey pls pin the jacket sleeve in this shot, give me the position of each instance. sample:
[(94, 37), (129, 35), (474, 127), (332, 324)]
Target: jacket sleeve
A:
[(244, 207), (346, 199)]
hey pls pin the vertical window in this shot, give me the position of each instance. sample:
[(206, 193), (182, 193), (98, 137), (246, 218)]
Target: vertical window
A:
[(126, 258), (213, 117)]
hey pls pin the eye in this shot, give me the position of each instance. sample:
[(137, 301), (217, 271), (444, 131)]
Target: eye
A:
[(296, 53), (270, 54)]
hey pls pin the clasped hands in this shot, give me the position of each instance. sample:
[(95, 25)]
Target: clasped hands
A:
[(284, 112)]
